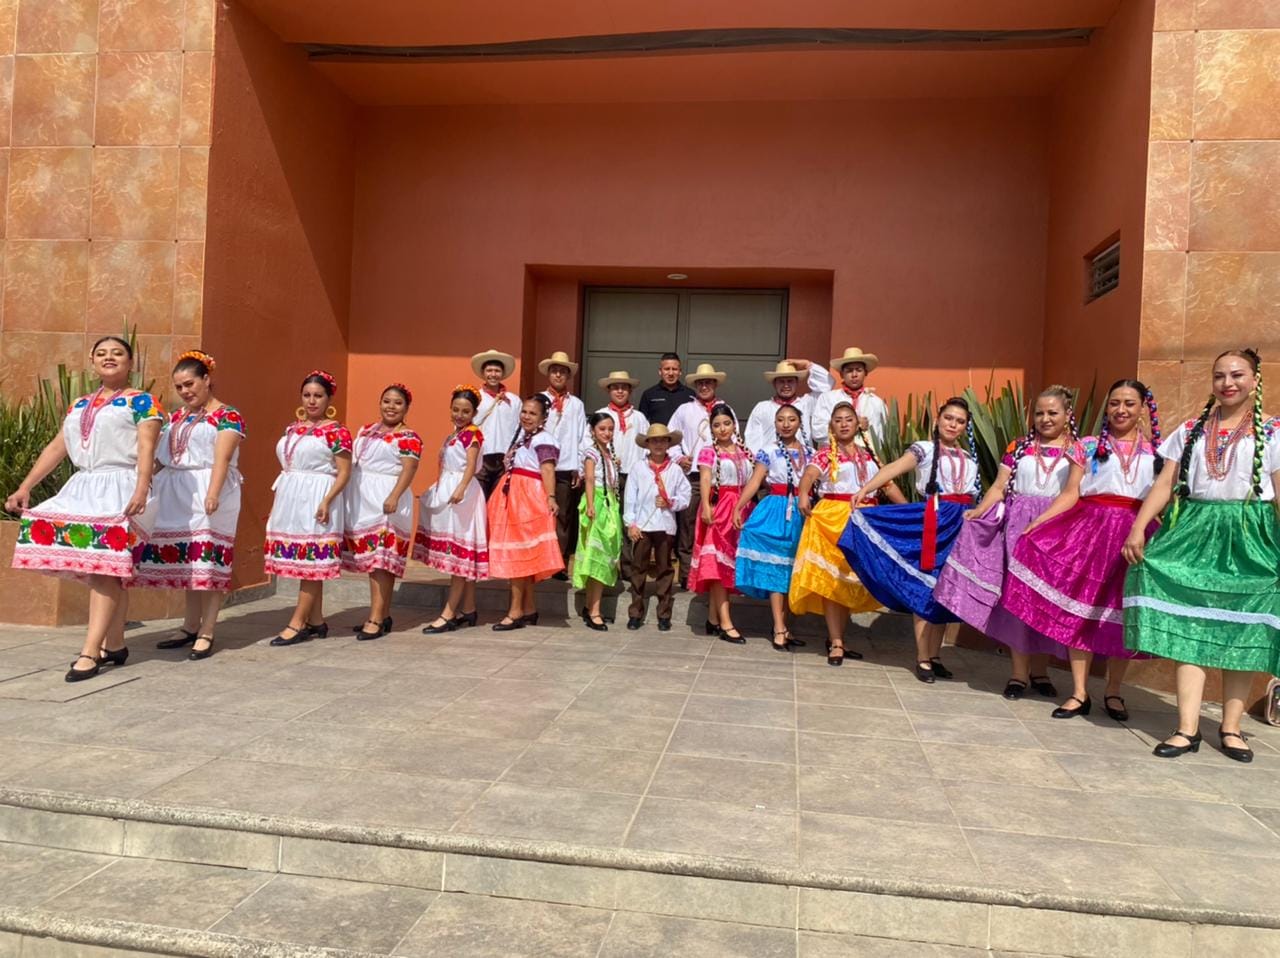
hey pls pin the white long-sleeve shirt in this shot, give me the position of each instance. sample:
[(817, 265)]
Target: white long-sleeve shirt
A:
[(760, 424), (640, 501), (498, 421), (569, 429), (693, 420), (624, 440), (869, 405)]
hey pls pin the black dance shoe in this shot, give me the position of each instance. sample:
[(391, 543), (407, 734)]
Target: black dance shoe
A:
[(924, 672), (1044, 687), (1236, 754), (1169, 750), (731, 635), (596, 626), (79, 675), (1015, 689), (1121, 714), (446, 625), (940, 670), (508, 624), (197, 654), (299, 636), (188, 638), (1062, 712), (114, 656), (466, 619)]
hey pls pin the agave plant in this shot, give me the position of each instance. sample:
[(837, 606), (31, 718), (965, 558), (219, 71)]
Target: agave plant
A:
[(27, 425)]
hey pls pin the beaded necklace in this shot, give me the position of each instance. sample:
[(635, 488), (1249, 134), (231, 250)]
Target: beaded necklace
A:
[(1220, 453), (1045, 465), (1129, 463), (90, 414), (297, 432), (180, 434), (955, 460)]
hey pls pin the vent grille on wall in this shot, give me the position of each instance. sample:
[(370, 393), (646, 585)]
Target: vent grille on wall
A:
[(1103, 272)]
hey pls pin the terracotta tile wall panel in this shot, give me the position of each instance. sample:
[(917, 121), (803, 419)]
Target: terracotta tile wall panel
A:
[(1237, 85), (1175, 14), (1232, 298), (1164, 289), (103, 184), (1235, 195), (1237, 14), (1173, 73), (1168, 179)]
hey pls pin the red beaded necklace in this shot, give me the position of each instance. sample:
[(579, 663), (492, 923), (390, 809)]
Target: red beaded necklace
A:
[(180, 434), (1220, 453), (90, 414)]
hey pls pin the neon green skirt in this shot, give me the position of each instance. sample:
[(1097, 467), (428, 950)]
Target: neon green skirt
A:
[(1207, 592), (599, 541)]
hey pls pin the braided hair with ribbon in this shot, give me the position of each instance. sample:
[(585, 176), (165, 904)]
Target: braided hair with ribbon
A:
[(1023, 443), (609, 463), (1103, 451), (740, 451), (523, 438), (1181, 485)]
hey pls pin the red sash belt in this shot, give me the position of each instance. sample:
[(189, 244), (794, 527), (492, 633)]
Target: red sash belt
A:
[(780, 489), (526, 472), (1115, 502), (929, 535)]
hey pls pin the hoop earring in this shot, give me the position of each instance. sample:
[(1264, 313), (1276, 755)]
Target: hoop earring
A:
[(331, 412), (300, 414)]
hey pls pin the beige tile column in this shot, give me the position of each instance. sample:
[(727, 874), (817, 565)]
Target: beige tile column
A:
[(104, 152), (1212, 246)]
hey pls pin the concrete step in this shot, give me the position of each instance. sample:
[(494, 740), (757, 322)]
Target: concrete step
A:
[(140, 877)]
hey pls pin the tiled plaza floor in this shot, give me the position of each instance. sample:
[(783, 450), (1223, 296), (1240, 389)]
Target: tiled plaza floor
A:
[(665, 742)]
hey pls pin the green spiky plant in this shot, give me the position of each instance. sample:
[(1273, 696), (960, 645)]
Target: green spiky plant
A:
[(27, 425)]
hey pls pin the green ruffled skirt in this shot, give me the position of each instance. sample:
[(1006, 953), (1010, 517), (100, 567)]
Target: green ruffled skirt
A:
[(1206, 592), (599, 541)]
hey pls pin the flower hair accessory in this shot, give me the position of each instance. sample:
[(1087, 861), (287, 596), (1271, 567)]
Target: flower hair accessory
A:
[(199, 355), (466, 387), (408, 395), (327, 377)]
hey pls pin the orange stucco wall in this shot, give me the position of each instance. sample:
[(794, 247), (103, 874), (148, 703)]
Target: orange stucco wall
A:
[(930, 216), (1097, 166), (279, 245)]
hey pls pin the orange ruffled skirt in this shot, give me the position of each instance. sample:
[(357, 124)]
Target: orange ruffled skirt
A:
[(522, 531)]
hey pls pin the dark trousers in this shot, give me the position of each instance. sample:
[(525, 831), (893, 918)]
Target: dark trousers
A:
[(655, 546), (489, 472), (567, 514), (686, 526)]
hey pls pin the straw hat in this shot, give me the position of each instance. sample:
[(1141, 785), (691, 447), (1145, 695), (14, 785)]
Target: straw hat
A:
[(705, 371), (493, 356), (558, 358), (855, 355), (617, 376), (784, 370), (658, 431)]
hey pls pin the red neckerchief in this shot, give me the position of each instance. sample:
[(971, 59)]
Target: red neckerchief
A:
[(784, 402), (708, 406), (557, 400), (499, 394), (621, 412), (657, 479), (853, 394)]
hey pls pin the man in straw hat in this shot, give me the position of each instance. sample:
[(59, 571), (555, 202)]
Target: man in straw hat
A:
[(785, 379), (498, 417), (854, 366), (693, 421), (567, 424), (657, 492), (628, 422)]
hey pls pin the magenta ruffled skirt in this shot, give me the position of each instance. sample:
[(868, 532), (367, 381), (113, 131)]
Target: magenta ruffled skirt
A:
[(1066, 578), (972, 581)]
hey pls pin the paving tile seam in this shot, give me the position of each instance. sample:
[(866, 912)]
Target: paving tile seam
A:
[(622, 859), (158, 939)]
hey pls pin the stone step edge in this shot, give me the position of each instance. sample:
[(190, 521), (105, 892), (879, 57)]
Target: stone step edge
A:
[(156, 939), (668, 864)]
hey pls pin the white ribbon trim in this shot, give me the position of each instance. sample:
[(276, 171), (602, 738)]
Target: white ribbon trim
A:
[(1063, 601), (1202, 612), (767, 557), (879, 542), (972, 576)]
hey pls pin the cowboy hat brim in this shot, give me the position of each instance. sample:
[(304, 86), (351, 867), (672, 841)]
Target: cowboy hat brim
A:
[(771, 376), (546, 365), (674, 435), (692, 378), (493, 356), (870, 360), (608, 381)]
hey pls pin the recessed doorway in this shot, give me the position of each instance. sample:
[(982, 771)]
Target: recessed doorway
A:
[(742, 331)]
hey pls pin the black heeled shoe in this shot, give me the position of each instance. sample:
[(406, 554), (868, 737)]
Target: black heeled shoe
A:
[(1062, 712), (835, 654), (299, 636), (446, 625), (320, 631), (197, 654), (711, 628), (1168, 750), (530, 619), (383, 627), (924, 672), (1235, 754), (732, 635), (786, 641), (1121, 714), (508, 624), (940, 670), (79, 675), (466, 619), (1015, 689), (187, 639), (1044, 687), (114, 656), (378, 631), (595, 626)]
